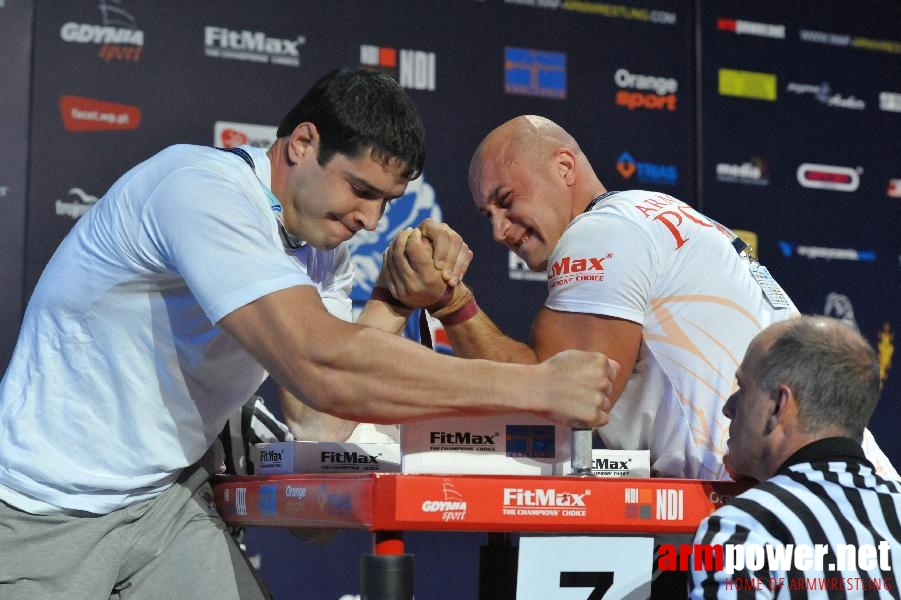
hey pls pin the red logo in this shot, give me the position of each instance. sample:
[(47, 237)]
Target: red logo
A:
[(232, 138), (567, 265), (894, 188), (828, 177), (88, 114)]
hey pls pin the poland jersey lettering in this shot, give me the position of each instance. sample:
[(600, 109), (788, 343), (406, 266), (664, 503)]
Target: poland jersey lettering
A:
[(652, 259)]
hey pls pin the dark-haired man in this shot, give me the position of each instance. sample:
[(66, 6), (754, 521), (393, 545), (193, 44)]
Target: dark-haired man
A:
[(165, 307), (807, 388)]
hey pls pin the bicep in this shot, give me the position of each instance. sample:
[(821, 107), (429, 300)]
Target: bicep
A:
[(618, 339)]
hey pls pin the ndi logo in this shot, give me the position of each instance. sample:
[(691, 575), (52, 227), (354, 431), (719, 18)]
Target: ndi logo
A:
[(413, 69)]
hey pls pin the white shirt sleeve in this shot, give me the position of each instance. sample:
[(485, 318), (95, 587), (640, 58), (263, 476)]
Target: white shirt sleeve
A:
[(221, 241), (604, 264)]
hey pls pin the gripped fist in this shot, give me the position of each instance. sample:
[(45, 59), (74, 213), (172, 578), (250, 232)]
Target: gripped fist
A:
[(580, 387), (450, 254), (422, 265)]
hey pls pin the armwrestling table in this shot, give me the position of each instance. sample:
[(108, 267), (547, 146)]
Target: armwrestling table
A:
[(387, 504)]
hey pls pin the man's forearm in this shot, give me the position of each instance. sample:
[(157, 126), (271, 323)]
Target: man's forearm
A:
[(365, 374), (382, 315), (372, 377), (479, 337)]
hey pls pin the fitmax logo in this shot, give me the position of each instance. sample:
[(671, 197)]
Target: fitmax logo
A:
[(271, 455), (254, 46), (605, 464), (543, 497), (567, 265), (349, 457), (461, 437)]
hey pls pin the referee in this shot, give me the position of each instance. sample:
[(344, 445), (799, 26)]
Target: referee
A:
[(821, 524)]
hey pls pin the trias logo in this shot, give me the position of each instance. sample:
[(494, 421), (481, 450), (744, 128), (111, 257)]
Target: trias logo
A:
[(79, 204), (829, 177), (462, 440), (413, 69), (253, 46), (87, 114), (627, 166), (654, 93), (117, 37), (568, 269), (452, 507)]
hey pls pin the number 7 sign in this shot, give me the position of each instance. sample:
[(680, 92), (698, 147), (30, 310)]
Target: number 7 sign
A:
[(584, 567)]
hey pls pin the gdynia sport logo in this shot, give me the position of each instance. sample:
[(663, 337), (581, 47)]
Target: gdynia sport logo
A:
[(807, 560)]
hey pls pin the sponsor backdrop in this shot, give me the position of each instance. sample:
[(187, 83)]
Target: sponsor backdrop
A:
[(777, 120), (15, 68)]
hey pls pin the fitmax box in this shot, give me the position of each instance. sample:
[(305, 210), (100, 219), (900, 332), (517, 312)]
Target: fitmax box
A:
[(324, 457), (514, 444), (621, 463)]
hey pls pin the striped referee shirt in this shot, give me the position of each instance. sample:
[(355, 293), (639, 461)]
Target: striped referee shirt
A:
[(825, 526)]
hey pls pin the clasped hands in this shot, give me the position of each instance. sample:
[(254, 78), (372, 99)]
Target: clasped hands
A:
[(423, 268)]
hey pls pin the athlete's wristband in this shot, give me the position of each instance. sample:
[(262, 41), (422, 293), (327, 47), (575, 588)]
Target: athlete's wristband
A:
[(466, 312), (460, 307)]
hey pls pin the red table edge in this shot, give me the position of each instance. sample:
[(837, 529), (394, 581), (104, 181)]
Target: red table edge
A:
[(393, 502)]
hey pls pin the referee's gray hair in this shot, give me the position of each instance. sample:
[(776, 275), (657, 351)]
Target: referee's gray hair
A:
[(831, 369)]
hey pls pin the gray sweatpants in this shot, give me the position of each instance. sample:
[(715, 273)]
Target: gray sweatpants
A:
[(171, 547)]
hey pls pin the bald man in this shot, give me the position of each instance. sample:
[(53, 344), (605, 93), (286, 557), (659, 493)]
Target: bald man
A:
[(807, 388), (664, 291)]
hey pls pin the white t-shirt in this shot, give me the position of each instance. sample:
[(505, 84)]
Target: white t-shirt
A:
[(651, 259), (120, 377)]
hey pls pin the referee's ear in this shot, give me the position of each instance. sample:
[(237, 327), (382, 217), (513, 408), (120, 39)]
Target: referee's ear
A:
[(784, 409)]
